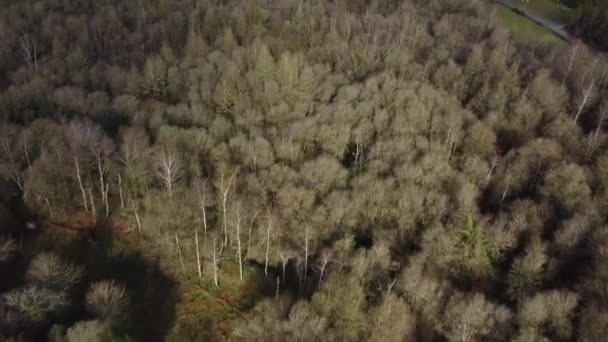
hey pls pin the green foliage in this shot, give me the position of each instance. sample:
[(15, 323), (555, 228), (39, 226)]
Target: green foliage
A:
[(527, 271), (37, 303), (341, 301), (478, 248), (358, 132), (94, 331), (57, 333)]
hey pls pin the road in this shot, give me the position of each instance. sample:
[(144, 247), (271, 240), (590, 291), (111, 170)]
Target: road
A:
[(557, 28)]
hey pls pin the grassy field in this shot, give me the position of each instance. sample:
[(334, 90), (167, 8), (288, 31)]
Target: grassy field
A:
[(525, 30), (547, 9)]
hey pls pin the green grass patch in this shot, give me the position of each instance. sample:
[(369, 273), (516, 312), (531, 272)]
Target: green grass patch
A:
[(525, 30), (207, 313), (548, 9)]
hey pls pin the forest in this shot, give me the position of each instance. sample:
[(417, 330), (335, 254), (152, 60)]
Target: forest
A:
[(290, 170), (592, 21)]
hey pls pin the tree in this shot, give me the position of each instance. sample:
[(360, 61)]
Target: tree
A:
[(480, 141), (224, 186), (36, 303), (341, 300), (549, 310), (108, 301), (567, 187), (168, 169), (133, 153), (7, 248), (528, 270), (50, 270), (473, 317), (392, 320), (587, 96)]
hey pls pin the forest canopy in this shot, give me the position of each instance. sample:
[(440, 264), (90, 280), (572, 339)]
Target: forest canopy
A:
[(269, 170)]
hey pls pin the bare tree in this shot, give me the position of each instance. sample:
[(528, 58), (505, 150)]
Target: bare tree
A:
[(198, 254), (120, 192), (492, 168), (224, 188), (216, 258), (325, 257), (179, 252), (204, 193), (238, 210), (80, 136), (133, 205), (573, 52), (168, 169), (107, 300), (101, 148)]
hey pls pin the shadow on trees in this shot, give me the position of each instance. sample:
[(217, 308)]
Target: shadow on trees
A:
[(104, 255)]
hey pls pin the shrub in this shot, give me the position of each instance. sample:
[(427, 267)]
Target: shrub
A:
[(108, 301), (7, 248), (51, 270), (37, 303)]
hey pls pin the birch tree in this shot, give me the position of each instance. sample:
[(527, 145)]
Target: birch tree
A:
[(168, 169), (102, 147), (586, 97), (78, 138), (238, 214), (224, 186), (205, 198), (571, 60)]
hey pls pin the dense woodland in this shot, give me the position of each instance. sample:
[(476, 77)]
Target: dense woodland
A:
[(592, 21), (390, 170)]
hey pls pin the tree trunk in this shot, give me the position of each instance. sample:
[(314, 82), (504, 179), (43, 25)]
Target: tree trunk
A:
[(284, 262), (249, 232), (587, 95), (238, 241), (489, 176), (137, 219), (305, 252), (224, 200), (198, 255), (122, 201), (92, 204), (204, 218), (570, 63), (269, 227), (504, 193), (105, 196), (215, 264), (102, 185), (82, 191), (48, 206), (325, 260), (179, 251)]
